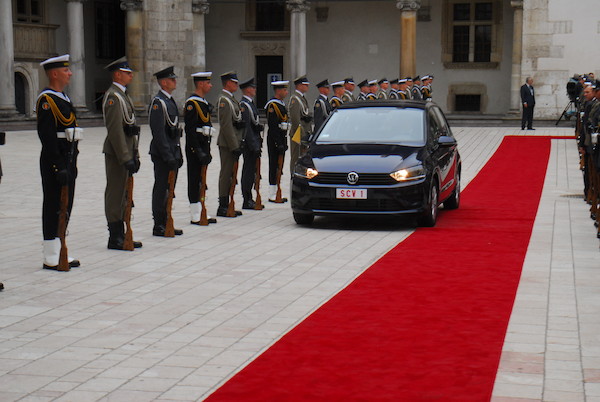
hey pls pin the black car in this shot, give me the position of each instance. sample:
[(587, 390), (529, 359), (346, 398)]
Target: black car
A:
[(379, 158)]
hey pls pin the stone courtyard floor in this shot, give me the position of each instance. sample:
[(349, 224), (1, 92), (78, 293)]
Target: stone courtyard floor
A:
[(174, 320)]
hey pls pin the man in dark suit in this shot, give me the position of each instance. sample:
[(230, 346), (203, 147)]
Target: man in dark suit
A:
[(165, 149), (528, 101)]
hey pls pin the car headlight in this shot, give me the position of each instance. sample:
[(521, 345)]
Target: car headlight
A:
[(408, 174), (305, 172)]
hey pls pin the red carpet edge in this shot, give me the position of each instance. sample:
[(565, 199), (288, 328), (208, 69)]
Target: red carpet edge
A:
[(427, 321)]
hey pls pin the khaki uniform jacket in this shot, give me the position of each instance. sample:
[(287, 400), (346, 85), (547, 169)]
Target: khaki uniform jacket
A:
[(116, 107), (230, 116), (300, 116)]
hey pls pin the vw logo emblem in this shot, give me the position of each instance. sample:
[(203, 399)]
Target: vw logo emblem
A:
[(352, 178)]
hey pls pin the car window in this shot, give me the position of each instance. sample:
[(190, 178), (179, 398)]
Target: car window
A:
[(443, 121), (434, 125), (374, 125)]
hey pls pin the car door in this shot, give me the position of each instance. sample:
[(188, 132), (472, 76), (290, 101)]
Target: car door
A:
[(442, 155), (449, 158)]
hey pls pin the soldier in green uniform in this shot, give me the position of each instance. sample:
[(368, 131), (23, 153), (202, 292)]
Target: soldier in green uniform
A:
[(322, 108), (59, 134), (300, 119), (349, 86), (384, 84), (252, 142), (230, 138), (121, 155), (198, 135), (338, 93)]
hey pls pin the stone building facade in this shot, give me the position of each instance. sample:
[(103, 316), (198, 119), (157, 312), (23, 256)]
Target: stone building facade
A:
[(480, 51)]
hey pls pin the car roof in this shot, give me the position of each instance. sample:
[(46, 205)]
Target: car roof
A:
[(416, 104)]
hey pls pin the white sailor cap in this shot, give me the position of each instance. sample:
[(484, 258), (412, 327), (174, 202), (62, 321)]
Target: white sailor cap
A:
[(402, 81), (280, 84), (56, 62), (372, 82), (588, 83), (338, 84), (425, 77), (202, 76)]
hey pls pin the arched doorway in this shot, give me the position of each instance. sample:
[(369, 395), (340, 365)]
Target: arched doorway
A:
[(21, 91)]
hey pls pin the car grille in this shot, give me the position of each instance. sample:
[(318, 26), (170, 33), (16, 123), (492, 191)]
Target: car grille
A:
[(377, 205), (364, 179)]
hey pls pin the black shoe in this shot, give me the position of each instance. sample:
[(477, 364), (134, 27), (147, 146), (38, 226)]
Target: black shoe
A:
[(1, 286), (160, 231), (248, 204), (221, 211), (52, 268), (137, 244), (531, 128), (210, 220), (283, 199), (178, 232), (74, 264)]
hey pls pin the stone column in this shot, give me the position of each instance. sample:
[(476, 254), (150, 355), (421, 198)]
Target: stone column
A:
[(7, 71), (77, 52), (298, 10), (199, 8), (134, 50), (408, 32), (517, 57)]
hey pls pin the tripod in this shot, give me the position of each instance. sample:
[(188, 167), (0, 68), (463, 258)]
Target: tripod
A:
[(569, 111)]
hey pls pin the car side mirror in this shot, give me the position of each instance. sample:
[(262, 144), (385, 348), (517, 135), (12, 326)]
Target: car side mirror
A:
[(446, 141)]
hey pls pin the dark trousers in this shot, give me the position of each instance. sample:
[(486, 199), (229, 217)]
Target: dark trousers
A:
[(160, 191), (51, 203), (273, 160), (115, 196), (248, 173), (194, 175), (527, 118)]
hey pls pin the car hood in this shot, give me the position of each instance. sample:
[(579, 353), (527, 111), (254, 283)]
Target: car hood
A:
[(364, 158)]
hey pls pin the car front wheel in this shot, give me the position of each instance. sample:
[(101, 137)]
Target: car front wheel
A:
[(453, 201), (304, 219), (429, 217)]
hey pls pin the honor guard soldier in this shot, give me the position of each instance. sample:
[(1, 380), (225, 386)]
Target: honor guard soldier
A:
[(121, 154), (252, 141), (338, 93), (372, 95), (198, 135), (409, 86), (383, 87), (416, 89), (322, 108), (403, 91), (349, 86), (300, 119), (165, 149), (588, 103), (426, 88), (59, 134), (394, 89), (230, 143), (278, 122), (364, 90)]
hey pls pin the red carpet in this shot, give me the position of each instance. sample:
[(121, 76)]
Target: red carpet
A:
[(425, 322)]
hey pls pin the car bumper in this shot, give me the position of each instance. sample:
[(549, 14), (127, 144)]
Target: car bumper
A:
[(320, 199)]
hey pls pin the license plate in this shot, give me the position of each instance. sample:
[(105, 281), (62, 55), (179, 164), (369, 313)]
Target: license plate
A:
[(351, 193)]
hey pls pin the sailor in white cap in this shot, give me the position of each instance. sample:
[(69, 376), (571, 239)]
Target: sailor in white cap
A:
[(373, 88), (59, 134), (403, 92), (383, 87), (121, 155), (278, 122), (338, 93), (198, 136)]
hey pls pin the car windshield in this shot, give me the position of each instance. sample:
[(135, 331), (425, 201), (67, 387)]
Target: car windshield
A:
[(374, 125)]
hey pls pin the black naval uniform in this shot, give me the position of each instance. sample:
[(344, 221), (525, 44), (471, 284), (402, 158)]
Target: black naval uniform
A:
[(276, 137), (335, 102), (252, 147), (165, 152), (416, 93), (58, 159), (197, 142), (322, 110)]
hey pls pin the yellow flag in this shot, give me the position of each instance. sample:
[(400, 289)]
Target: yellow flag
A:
[(297, 135)]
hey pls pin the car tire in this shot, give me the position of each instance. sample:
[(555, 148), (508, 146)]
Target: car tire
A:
[(429, 216), (303, 219), (453, 202)]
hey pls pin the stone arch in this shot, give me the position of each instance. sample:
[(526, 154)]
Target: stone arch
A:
[(26, 86)]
